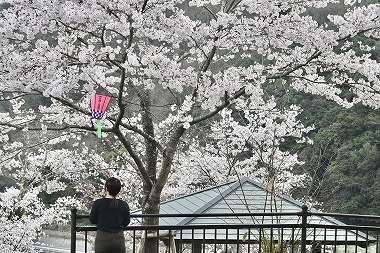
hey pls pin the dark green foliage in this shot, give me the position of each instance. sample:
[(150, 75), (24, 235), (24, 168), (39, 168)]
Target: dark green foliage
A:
[(344, 160), (51, 198), (354, 175), (345, 157)]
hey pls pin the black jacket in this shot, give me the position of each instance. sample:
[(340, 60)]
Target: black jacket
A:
[(110, 219)]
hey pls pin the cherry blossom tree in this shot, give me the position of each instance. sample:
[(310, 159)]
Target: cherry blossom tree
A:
[(22, 211), (245, 144), (169, 66), (23, 215)]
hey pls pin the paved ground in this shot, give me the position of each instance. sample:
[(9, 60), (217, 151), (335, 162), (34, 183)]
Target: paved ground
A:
[(59, 241)]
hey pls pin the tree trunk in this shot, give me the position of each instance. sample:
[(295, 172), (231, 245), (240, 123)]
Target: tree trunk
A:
[(154, 183), (149, 243)]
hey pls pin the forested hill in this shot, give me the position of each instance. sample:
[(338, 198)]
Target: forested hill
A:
[(345, 157)]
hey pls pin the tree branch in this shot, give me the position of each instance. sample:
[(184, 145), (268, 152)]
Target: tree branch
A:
[(298, 66), (143, 8), (22, 94), (224, 104), (232, 6), (135, 157), (76, 29), (38, 144), (71, 105), (120, 99), (138, 131), (117, 121), (131, 32), (168, 159)]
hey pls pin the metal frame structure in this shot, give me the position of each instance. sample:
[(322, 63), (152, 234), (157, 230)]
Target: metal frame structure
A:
[(300, 235)]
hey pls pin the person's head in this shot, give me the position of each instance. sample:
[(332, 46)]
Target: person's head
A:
[(113, 186)]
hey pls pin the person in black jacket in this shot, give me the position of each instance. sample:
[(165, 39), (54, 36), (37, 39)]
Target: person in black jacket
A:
[(110, 216)]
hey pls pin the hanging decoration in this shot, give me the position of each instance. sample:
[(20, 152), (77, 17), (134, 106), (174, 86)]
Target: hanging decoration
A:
[(99, 105)]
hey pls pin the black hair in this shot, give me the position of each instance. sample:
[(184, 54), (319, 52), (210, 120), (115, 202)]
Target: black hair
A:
[(113, 186)]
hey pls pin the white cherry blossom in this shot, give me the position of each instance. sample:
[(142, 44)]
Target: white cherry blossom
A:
[(169, 67)]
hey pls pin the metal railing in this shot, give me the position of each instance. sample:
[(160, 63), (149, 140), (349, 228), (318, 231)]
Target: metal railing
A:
[(295, 232)]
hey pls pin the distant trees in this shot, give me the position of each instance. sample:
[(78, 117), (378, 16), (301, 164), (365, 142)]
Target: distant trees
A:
[(345, 157)]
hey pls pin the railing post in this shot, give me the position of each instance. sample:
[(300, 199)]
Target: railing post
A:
[(73, 230), (304, 227)]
